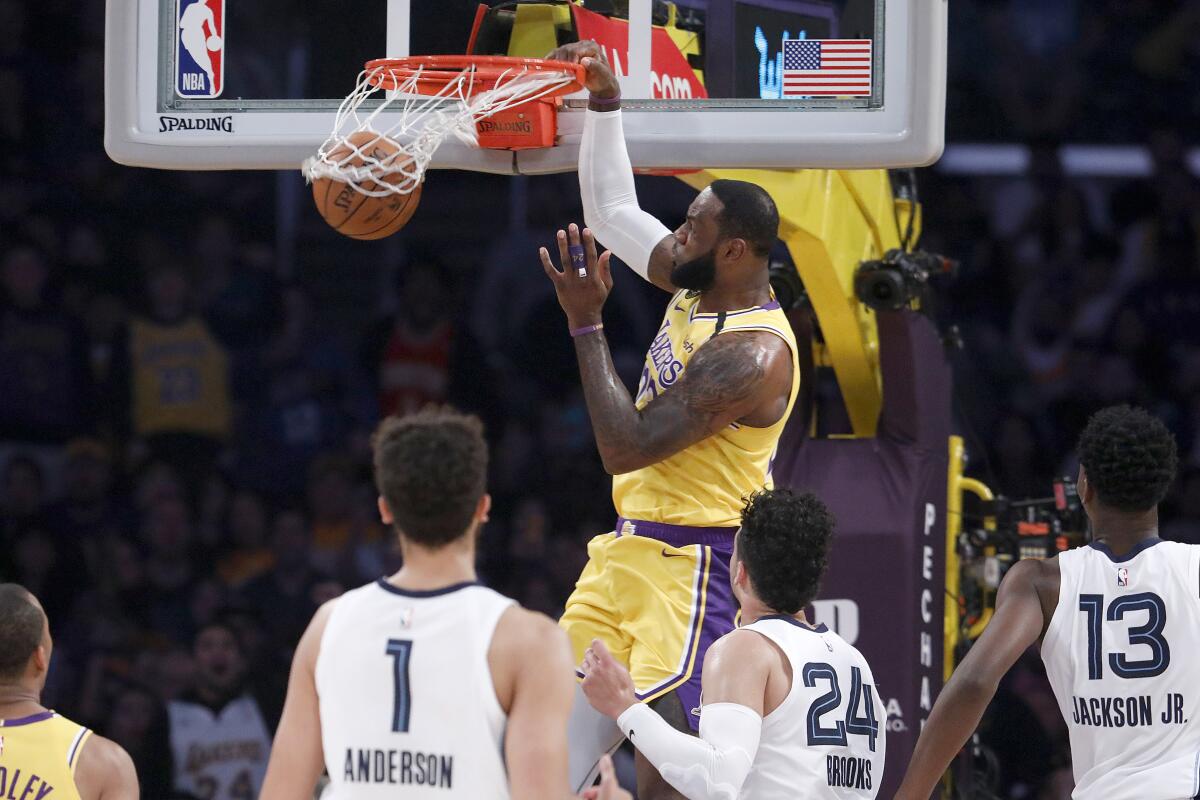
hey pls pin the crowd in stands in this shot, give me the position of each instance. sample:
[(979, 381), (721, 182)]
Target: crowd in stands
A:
[(187, 395)]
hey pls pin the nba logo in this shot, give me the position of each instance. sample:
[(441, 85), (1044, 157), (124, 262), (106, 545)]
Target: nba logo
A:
[(200, 48), (1122, 577)]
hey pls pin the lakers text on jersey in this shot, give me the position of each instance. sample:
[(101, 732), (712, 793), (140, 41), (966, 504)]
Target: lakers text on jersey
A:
[(827, 738), (406, 696), (219, 754), (703, 485), (1119, 653)]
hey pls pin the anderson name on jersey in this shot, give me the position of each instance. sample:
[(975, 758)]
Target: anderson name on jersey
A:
[(402, 767)]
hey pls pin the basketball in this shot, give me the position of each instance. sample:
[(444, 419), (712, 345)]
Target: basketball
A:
[(214, 42), (354, 214)]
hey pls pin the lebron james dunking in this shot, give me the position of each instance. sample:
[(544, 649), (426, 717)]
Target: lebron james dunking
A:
[(717, 388)]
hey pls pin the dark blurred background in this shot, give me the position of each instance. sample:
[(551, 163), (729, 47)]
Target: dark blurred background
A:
[(241, 493)]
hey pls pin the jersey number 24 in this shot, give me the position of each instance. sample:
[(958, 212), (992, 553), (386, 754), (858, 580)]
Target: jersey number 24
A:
[(827, 703)]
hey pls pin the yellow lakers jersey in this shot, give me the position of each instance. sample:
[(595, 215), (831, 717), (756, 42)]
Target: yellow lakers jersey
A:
[(38, 755), (180, 379), (704, 485)]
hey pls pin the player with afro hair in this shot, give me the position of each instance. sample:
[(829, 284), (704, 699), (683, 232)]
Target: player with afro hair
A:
[(1129, 458), (1127, 463)]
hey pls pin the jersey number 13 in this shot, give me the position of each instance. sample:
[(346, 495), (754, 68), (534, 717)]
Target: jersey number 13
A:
[(1149, 634)]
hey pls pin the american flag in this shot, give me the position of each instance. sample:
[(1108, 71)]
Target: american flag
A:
[(826, 68)]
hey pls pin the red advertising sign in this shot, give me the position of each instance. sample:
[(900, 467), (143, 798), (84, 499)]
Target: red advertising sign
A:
[(671, 77)]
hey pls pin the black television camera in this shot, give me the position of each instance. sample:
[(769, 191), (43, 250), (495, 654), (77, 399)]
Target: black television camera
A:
[(894, 281)]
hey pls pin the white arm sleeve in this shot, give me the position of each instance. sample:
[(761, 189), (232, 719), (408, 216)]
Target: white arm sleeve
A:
[(610, 206), (713, 767)]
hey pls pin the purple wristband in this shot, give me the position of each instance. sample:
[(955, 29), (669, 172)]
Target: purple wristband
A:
[(586, 329), (604, 101)]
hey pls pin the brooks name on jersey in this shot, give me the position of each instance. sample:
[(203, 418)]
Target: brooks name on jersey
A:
[(848, 772)]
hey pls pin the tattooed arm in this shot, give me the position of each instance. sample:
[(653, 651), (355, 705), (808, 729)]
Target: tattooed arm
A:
[(734, 376), (737, 376)]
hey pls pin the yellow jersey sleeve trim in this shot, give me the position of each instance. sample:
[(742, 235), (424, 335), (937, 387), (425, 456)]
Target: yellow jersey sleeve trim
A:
[(787, 336), (77, 747)]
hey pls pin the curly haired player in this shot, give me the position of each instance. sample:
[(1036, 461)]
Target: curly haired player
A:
[(790, 709), (427, 684), (1119, 625)]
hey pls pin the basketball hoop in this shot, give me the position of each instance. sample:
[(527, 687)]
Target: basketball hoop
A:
[(495, 102)]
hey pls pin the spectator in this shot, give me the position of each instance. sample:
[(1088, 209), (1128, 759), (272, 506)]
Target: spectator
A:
[(246, 296), (171, 381), (23, 498), (123, 579), (247, 555), (103, 318), (171, 570), (209, 599), (38, 566), (27, 552), (219, 739), (88, 507), (173, 673), (44, 369), (330, 502), (287, 593), (369, 551), (156, 481), (138, 722), (302, 394), (18, 75), (1186, 525), (88, 517), (212, 512), (268, 680), (410, 356)]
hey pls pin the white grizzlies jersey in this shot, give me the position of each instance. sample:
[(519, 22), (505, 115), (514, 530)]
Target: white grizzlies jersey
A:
[(1122, 652), (826, 739), (407, 704), (221, 755)]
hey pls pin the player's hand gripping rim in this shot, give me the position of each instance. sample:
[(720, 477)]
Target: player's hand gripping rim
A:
[(600, 80)]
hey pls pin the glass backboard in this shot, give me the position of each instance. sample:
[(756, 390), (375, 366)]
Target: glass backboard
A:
[(227, 84)]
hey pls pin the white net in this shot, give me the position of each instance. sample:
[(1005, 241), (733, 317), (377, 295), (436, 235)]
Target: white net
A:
[(412, 125)]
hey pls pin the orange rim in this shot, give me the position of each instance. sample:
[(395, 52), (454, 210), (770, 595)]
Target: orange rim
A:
[(435, 72)]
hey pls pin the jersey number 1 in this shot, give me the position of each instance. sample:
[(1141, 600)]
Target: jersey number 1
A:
[(401, 651), (1150, 634)]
